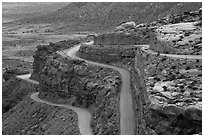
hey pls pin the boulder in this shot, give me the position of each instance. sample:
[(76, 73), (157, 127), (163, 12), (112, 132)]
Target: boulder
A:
[(127, 25)]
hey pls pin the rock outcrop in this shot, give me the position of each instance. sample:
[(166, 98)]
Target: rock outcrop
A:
[(174, 90), (172, 98), (70, 81), (106, 53), (179, 34), (114, 46), (160, 46), (13, 72), (127, 25), (43, 51)]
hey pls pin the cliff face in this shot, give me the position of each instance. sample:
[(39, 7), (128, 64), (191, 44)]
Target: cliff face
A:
[(114, 46), (138, 92), (43, 51), (106, 53), (69, 81)]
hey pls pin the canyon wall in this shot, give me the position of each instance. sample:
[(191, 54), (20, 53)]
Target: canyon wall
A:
[(106, 53)]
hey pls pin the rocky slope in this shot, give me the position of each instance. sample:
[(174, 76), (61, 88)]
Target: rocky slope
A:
[(29, 117), (14, 89), (175, 90), (181, 33), (18, 10), (172, 98), (103, 15)]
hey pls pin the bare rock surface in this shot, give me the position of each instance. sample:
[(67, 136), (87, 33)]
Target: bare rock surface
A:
[(43, 51), (174, 87)]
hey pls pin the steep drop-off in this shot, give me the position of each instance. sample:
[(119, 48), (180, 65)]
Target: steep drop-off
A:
[(69, 81), (14, 90), (43, 51)]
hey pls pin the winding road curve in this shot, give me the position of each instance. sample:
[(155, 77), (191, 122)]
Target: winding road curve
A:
[(84, 117), (126, 107), (127, 124), (146, 48)]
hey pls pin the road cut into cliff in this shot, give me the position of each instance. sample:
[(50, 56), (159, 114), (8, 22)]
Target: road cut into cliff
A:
[(84, 117), (126, 107)]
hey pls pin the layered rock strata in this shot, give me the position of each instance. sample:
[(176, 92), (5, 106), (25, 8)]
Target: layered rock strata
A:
[(106, 53)]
